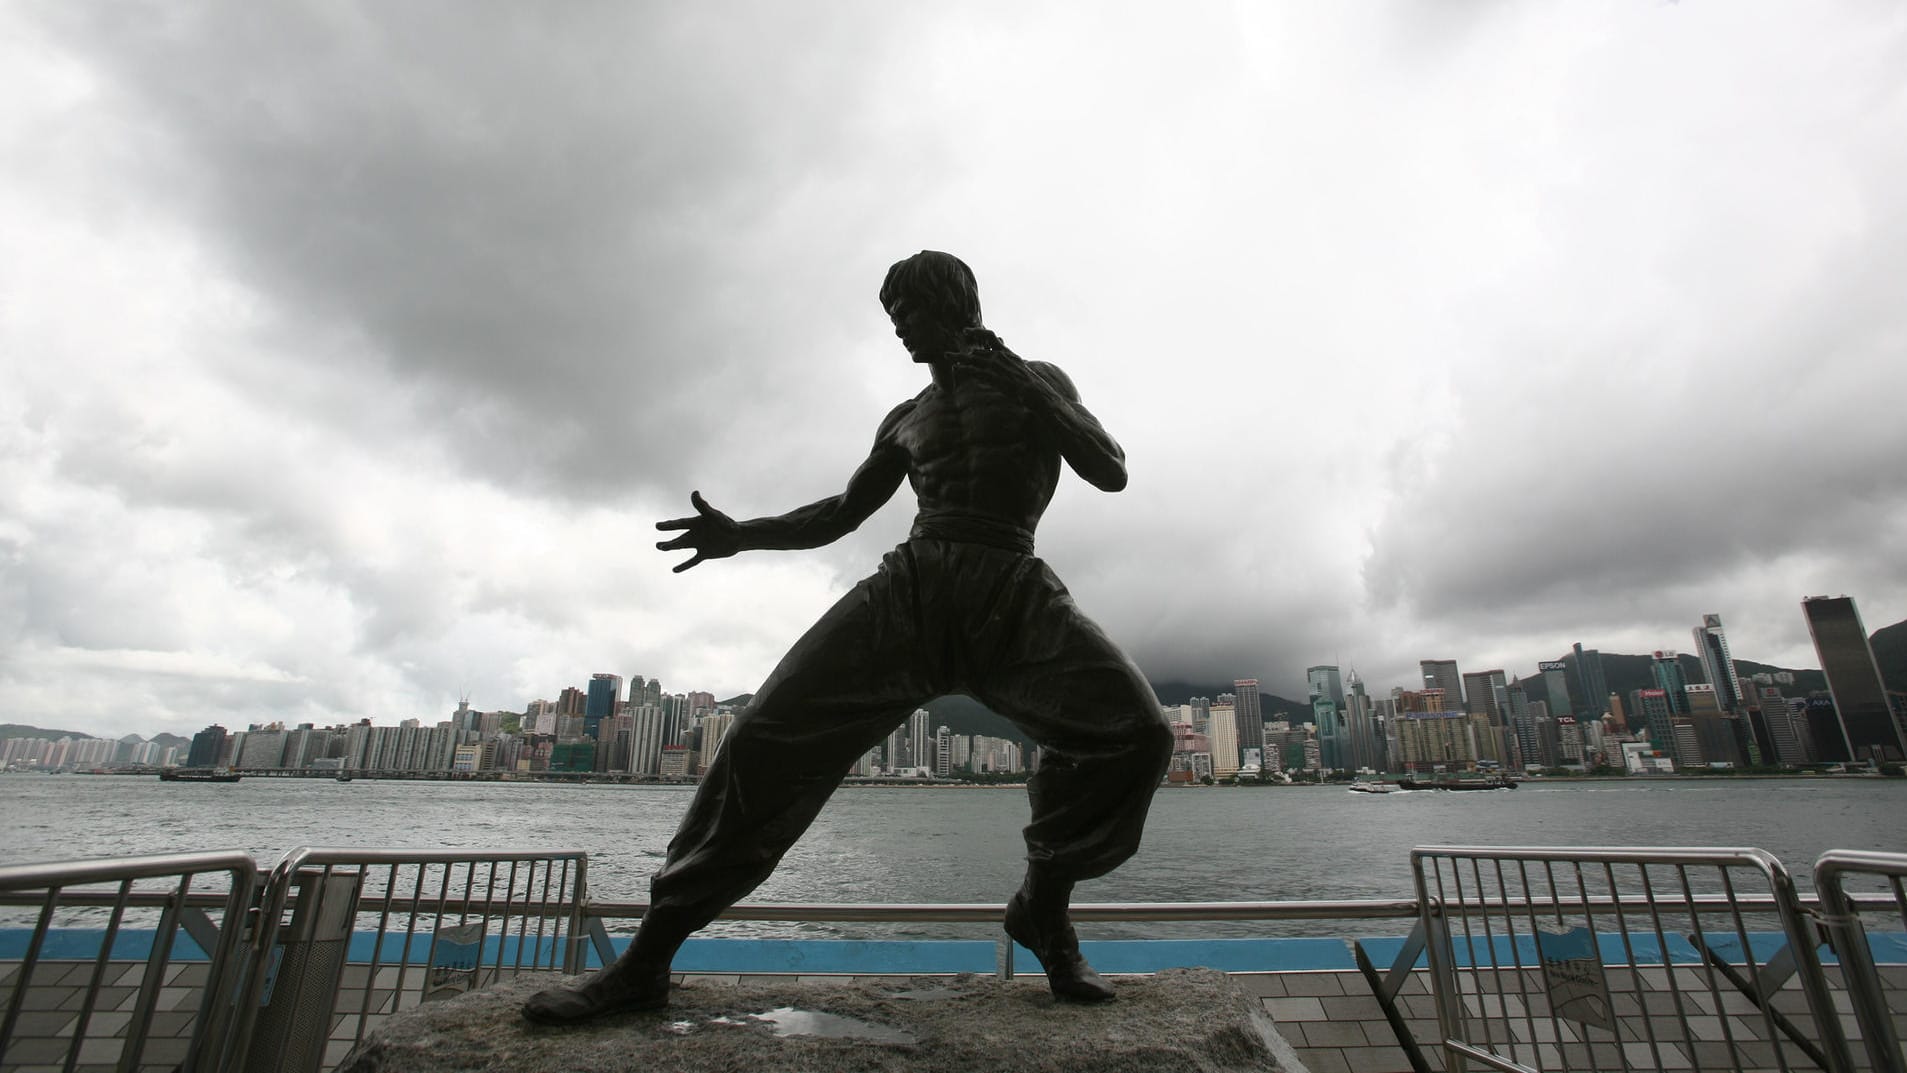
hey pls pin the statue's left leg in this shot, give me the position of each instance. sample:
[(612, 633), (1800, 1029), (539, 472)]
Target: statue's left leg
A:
[(1105, 746), (840, 689)]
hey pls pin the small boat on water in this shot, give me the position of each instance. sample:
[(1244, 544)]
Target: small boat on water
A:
[(1363, 786), (198, 774), (1493, 782)]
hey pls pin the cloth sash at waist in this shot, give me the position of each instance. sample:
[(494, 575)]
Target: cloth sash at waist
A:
[(963, 528)]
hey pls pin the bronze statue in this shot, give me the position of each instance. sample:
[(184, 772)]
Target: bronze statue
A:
[(962, 606)]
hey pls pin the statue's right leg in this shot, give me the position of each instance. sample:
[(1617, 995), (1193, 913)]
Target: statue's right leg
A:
[(838, 692)]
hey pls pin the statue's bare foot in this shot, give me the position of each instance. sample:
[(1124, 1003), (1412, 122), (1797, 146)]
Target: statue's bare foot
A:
[(620, 988), (1057, 947)]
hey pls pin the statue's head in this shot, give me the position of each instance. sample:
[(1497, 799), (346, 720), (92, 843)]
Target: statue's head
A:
[(931, 297)]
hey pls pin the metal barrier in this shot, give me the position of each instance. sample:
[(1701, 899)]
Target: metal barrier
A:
[(106, 991), (1538, 958), (1627, 959), (434, 924), (1880, 1023)]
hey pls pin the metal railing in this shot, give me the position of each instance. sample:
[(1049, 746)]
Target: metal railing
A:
[(1841, 911), (438, 923), (1566, 958), (1537, 958), (118, 1020)]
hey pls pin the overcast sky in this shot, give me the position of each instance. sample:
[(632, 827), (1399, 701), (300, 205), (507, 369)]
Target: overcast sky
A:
[(350, 352)]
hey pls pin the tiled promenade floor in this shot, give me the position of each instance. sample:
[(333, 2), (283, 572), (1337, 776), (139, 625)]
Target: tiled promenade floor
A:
[(1331, 1019)]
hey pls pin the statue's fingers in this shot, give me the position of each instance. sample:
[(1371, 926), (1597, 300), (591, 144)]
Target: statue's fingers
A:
[(677, 523), (700, 504), (672, 544), (698, 558)]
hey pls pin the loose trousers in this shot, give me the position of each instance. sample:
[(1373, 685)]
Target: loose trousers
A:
[(938, 617)]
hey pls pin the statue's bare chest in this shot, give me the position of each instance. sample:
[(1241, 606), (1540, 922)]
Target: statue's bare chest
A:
[(964, 423)]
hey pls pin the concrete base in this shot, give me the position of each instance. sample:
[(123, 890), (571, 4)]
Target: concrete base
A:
[(1179, 1021)]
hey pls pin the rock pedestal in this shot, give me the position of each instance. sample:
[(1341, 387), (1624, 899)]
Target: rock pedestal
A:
[(1178, 1021)]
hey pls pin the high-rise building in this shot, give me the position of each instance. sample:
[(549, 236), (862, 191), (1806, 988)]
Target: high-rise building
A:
[(920, 740), (1201, 713), (207, 744), (1324, 681), (1251, 721), (605, 695), (715, 727), (1718, 666), (1442, 674), (1224, 738), (1334, 739), (1367, 741), (1785, 729), (1479, 692), (1592, 686), (1556, 686), (1868, 728), (1650, 708), (1666, 666)]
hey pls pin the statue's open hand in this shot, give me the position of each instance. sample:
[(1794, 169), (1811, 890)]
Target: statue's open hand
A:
[(709, 532), (989, 360)]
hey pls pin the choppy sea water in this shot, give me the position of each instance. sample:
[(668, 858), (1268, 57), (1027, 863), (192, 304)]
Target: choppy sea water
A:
[(880, 844)]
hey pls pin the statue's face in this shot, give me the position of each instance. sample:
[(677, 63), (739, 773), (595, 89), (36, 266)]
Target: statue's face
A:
[(925, 335)]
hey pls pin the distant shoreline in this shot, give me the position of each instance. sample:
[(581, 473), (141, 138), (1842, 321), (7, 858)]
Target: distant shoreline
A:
[(600, 779)]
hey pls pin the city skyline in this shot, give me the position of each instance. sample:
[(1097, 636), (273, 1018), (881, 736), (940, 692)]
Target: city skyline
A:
[(356, 355), (602, 693)]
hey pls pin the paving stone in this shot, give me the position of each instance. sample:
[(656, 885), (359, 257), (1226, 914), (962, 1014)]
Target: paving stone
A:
[(1376, 1059), (1260, 984), (1313, 983), (1294, 1009), (1328, 1033), (1323, 1060), (1419, 1006), (29, 1051), (1352, 1008)]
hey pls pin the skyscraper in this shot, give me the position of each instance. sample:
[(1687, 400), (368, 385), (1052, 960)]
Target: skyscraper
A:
[(1650, 709), (1711, 644), (207, 744), (1556, 686), (920, 739), (1670, 679), (1442, 674), (599, 708), (1251, 721), (1479, 692), (1367, 740), (1224, 737), (1868, 729), (1324, 681), (1594, 687)]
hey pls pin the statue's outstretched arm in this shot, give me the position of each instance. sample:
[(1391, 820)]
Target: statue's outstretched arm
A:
[(711, 534)]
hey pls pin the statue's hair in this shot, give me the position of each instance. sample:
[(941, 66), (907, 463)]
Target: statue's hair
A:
[(939, 280)]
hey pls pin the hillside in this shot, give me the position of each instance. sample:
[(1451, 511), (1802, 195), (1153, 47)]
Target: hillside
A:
[(1890, 651), (21, 730)]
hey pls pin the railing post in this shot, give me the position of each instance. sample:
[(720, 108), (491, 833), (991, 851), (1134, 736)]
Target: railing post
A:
[(1845, 933), (306, 963)]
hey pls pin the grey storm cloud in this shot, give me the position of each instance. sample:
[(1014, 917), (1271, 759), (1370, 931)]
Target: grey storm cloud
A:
[(559, 236)]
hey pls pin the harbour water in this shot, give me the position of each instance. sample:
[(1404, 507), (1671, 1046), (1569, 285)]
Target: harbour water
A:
[(886, 844)]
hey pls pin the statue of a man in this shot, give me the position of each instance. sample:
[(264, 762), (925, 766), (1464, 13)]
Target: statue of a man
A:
[(963, 606)]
